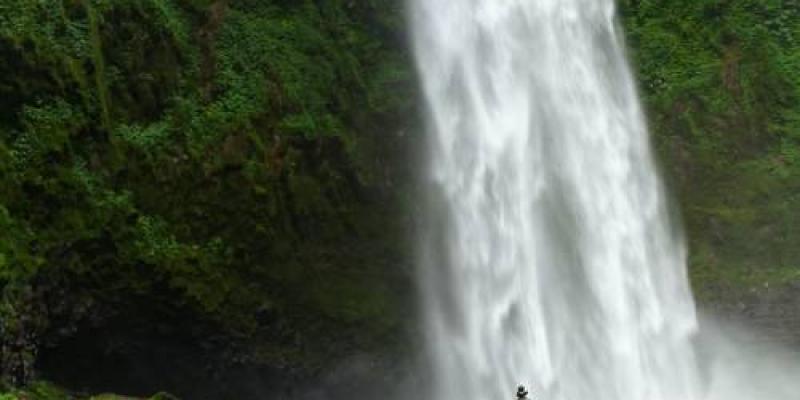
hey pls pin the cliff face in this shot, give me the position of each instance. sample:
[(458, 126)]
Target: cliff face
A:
[(199, 184), (721, 82), (220, 191)]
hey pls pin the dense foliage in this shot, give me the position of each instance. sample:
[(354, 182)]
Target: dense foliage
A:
[(222, 170), (721, 80)]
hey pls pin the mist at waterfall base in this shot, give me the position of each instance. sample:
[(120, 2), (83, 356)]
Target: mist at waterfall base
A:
[(550, 256)]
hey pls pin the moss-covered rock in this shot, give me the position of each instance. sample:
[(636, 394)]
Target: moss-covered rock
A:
[(228, 172), (721, 82), (47, 391)]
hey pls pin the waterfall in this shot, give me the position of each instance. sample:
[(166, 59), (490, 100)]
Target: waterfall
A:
[(549, 257)]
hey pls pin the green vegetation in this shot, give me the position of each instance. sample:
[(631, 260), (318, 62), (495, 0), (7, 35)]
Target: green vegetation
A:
[(46, 391), (721, 81), (36, 391), (231, 163)]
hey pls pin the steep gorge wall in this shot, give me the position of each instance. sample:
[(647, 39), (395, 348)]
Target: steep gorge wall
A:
[(187, 186), (721, 82)]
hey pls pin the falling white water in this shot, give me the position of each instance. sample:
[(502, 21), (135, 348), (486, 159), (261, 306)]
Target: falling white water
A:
[(550, 257)]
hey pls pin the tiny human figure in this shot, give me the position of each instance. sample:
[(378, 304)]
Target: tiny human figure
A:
[(522, 394)]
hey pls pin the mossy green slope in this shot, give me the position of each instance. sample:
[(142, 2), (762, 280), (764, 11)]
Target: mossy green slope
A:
[(232, 160), (721, 81), (46, 391)]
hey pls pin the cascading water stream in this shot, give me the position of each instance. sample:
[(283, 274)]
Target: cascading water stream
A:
[(550, 258)]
